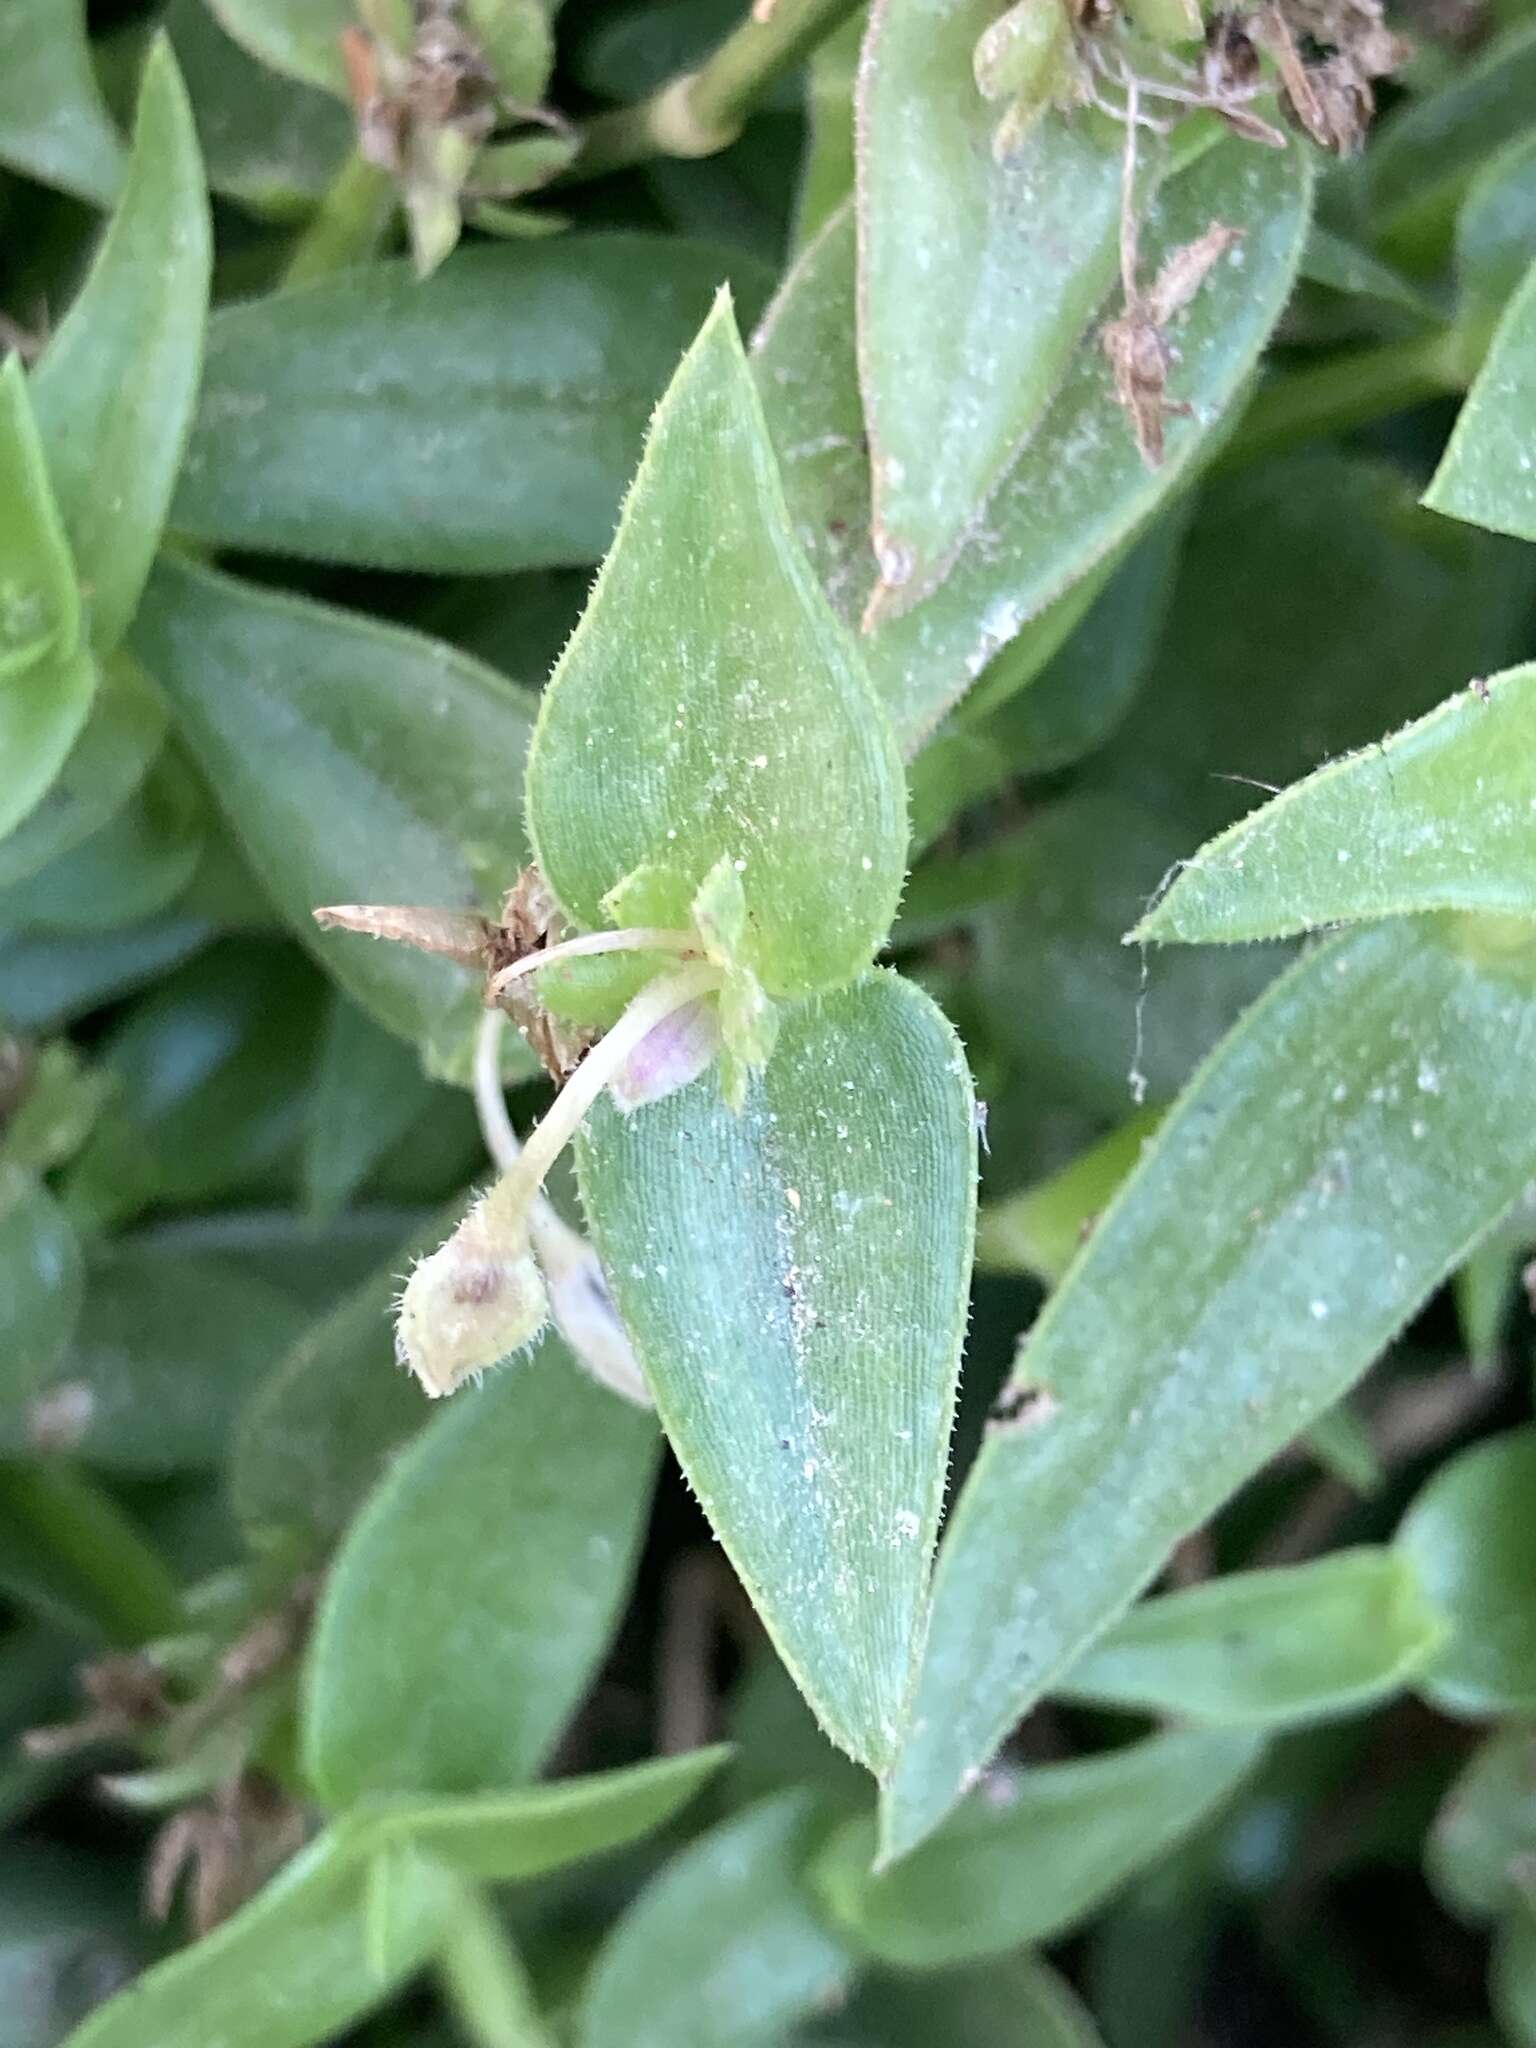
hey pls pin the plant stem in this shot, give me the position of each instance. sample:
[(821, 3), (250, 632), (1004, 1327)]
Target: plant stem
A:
[(348, 224), (484, 1980), (637, 939), (1348, 390), (91, 1548), (513, 1195), (705, 110), (578, 1294)]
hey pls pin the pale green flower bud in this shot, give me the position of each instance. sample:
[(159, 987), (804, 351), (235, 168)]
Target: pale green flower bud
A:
[(472, 1303)]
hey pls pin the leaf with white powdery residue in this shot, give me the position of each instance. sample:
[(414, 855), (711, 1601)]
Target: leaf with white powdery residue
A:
[(1440, 816), (1079, 489), (810, 1402), (977, 277), (116, 385), (1327, 1167), (709, 700)]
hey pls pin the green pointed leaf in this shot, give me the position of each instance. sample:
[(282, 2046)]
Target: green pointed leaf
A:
[(483, 421), (40, 1284), (54, 124), (1329, 1165), (977, 278), (1079, 489), (1487, 474), (1041, 1850), (1267, 1648), (166, 1353), (355, 763), (506, 1837), (474, 1595), (810, 1404), (1016, 2003), (1469, 1534), (729, 700), (722, 1949), (121, 736), (136, 326), (1439, 816), (1478, 1856), (293, 1968)]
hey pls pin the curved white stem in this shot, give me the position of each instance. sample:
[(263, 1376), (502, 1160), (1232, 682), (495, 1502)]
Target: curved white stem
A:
[(512, 1195), (641, 938)]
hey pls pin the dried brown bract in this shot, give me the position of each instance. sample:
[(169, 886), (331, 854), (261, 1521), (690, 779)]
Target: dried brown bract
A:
[(443, 82), (450, 84), (226, 1847), (1329, 94), (529, 922), (1232, 75), (1140, 354), (125, 1698)]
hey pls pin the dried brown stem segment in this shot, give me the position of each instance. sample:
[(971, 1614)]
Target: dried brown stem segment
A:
[(460, 935)]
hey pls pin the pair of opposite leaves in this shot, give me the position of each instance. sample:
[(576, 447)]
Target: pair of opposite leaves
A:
[(791, 1257)]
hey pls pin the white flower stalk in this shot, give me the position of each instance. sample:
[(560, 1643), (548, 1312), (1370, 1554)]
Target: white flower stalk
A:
[(579, 1301), (636, 939), (481, 1296)]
